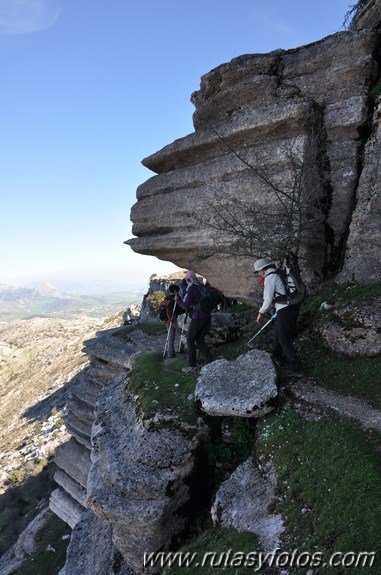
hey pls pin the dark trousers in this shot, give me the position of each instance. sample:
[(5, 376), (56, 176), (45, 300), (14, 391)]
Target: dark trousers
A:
[(197, 331), (284, 331)]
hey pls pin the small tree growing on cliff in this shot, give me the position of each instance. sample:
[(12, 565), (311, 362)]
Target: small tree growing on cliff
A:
[(273, 218), (352, 11)]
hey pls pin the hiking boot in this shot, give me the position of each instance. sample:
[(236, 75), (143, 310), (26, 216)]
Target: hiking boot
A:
[(189, 369)]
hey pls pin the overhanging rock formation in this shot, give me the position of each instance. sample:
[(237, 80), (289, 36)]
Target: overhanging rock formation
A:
[(248, 112)]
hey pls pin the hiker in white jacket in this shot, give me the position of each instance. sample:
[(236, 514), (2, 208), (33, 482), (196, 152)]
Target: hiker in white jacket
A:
[(285, 321)]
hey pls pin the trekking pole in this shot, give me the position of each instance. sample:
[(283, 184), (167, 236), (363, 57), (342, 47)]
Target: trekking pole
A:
[(182, 331), (262, 328), (169, 330)]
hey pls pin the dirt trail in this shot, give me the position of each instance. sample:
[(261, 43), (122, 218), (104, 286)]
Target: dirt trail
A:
[(354, 407)]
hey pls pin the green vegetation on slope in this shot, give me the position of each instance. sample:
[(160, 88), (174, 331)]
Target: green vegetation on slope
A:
[(359, 377), (329, 486), (341, 295), (22, 502), (50, 554), (222, 550)]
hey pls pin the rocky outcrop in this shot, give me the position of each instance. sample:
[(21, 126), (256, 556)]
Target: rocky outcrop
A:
[(354, 330), (362, 258), (126, 481), (139, 477), (112, 353), (92, 538), (243, 500), (247, 112), (367, 16), (120, 481), (12, 561)]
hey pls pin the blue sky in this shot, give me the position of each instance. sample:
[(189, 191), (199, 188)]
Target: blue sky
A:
[(88, 89)]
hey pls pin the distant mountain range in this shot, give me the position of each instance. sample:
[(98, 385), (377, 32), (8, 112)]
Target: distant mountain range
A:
[(45, 300), (86, 287)]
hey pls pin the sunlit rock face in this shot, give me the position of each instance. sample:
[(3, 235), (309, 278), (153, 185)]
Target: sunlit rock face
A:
[(249, 111)]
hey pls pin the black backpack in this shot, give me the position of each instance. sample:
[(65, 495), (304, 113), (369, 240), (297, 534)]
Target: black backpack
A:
[(210, 297), (295, 293)]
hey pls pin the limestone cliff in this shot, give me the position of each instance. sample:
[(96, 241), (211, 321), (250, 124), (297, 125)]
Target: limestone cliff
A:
[(246, 112), (136, 474), (129, 482)]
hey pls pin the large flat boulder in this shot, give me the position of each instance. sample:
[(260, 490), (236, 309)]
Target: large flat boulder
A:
[(245, 387)]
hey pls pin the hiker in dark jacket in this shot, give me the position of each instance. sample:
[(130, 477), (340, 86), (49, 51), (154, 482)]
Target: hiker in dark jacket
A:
[(200, 322), (285, 321)]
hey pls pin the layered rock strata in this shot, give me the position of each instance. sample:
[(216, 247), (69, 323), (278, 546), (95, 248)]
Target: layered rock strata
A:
[(122, 486), (111, 357), (128, 485), (248, 112), (139, 477), (362, 262)]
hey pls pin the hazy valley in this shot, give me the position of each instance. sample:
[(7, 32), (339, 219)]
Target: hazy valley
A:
[(42, 331), (45, 300)]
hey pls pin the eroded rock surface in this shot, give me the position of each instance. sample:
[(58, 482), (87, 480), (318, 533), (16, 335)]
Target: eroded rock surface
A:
[(92, 538), (245, 387), (12, 561), (138, 477), (355, 329), (362, 259), (242, 502)]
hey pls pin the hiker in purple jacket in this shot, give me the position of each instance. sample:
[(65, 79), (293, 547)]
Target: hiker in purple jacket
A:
[(200, 322)]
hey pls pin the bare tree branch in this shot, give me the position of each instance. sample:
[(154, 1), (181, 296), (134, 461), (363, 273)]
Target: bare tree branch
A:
[(273, 219)]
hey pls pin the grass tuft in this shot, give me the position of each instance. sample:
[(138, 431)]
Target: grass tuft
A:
[(147, 328), (163, 389)]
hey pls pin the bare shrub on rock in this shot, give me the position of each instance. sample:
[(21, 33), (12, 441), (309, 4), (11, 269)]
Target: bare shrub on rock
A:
[(283, 201)]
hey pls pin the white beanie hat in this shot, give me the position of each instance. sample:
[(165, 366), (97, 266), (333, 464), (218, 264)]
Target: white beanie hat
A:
[(260, 264)]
